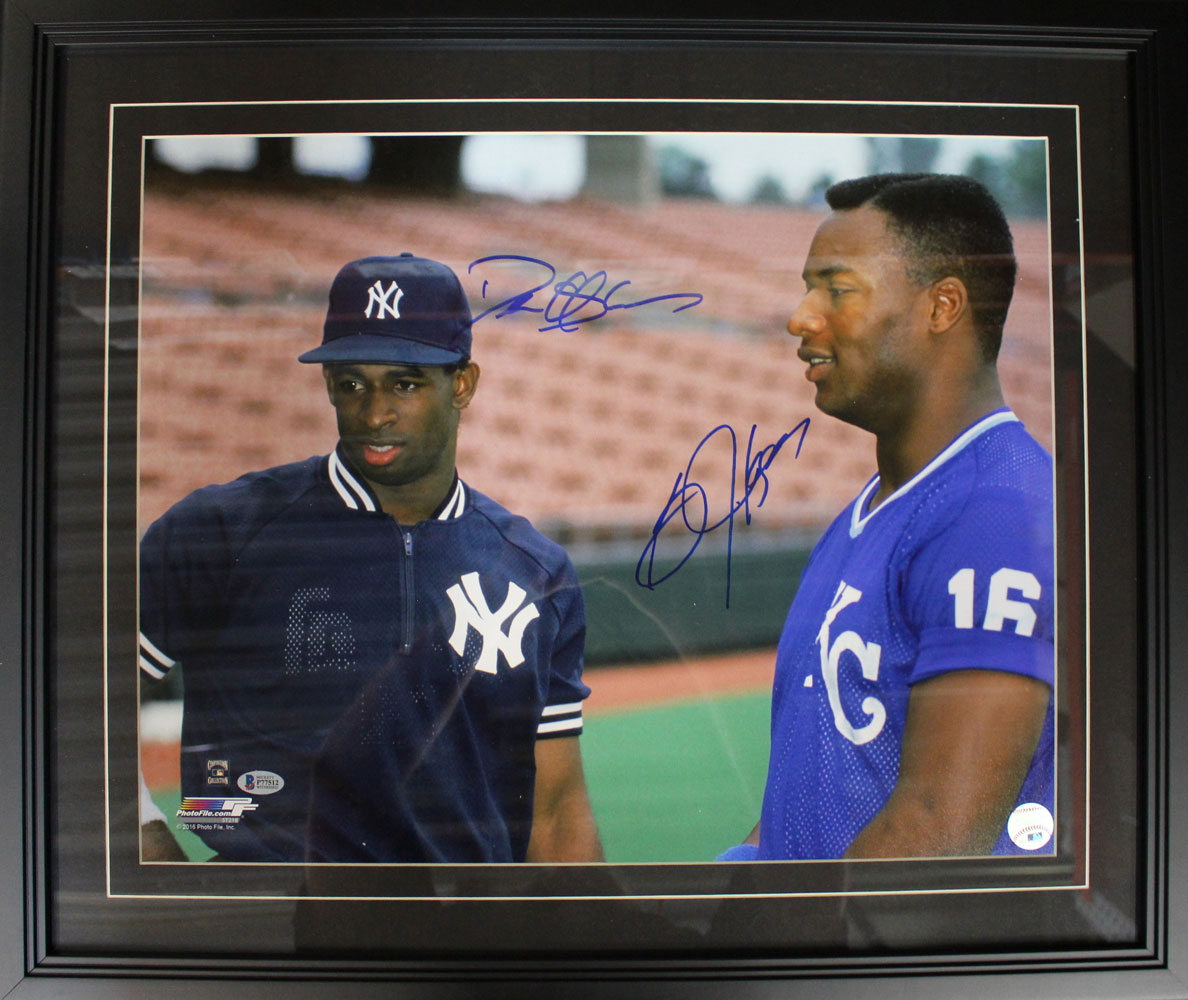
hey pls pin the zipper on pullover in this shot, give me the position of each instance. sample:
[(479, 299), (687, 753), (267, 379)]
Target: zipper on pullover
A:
[(406, 626)]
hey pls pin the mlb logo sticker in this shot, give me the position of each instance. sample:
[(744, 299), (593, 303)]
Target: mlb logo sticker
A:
[(1031, 826), (216, 772)]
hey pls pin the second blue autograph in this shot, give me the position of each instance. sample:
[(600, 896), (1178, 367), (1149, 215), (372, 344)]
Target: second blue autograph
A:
[(686, 493), (577, 299)]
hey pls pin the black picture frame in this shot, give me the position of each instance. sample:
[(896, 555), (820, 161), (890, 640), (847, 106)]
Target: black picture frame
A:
[(63, 66)]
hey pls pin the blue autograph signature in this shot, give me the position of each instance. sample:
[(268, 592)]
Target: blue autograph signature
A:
[(578, 299), (685, 491)]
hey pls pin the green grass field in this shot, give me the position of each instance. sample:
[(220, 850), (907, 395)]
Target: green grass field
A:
[(677, 782), (672, 782)]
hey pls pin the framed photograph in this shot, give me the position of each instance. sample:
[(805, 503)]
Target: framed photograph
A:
[(632, 214)]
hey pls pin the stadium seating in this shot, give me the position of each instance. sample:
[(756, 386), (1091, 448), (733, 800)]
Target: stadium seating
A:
[(584, 431)]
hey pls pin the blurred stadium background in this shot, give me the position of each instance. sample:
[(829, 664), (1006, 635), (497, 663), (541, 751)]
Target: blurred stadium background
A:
[(582, 431)]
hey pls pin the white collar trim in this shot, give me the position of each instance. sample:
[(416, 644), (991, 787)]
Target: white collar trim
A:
[(455, 505), (353, 493), (858, 521), (357, 496)]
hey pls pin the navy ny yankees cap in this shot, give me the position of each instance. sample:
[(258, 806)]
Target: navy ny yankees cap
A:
[(395, 310)]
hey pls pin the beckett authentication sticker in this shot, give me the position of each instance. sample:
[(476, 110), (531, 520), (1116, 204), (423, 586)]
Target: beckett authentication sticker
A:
[(260, 782)]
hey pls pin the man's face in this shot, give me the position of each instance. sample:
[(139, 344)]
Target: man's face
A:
[(397, 423), (862, 322)]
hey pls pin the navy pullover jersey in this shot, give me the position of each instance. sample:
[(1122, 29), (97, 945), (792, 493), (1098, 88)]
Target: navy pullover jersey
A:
[(953, 571), (358, 689)]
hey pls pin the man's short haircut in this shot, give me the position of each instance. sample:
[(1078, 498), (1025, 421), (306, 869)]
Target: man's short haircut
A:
[(948, 225)]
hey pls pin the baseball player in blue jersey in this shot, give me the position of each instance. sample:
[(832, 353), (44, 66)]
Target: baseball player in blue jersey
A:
[(380, 664), (912, 710)]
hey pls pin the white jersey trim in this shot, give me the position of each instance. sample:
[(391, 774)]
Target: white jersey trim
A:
[(152, 661), (353, 493), (561, 725), (357, 496), (455, 505), (562, 718), (858, 521)]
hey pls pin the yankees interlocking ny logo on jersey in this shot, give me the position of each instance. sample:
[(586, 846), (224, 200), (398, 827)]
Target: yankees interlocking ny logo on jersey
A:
[(472, 611), (868, 655), (384, 300)]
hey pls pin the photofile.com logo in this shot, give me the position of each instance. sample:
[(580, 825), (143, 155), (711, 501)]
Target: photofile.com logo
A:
[(214, 808)]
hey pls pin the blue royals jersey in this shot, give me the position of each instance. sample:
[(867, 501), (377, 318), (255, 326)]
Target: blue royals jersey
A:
[(358, 690), (953, 571)]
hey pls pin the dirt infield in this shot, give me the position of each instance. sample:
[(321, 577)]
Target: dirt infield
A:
[(160, 763), (622, 687)]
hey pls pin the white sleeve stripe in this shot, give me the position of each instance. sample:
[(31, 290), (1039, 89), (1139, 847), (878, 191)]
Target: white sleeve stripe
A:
[(150, 648), (151, 669), (152, 661), (573, 706), (561, 725)]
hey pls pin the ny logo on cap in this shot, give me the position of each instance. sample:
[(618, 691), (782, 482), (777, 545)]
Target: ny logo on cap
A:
[(384, 300)]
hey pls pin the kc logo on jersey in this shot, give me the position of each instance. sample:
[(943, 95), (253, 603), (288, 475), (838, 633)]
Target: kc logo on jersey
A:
[(472, 611), (384, 300), (867, 654)]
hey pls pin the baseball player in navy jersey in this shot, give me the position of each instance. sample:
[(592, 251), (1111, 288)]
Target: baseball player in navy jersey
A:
[(380, 663), (912, 710)]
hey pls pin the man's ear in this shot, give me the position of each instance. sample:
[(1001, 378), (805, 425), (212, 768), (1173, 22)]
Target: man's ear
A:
[(949, 302), (465, 383), (329, 385)]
